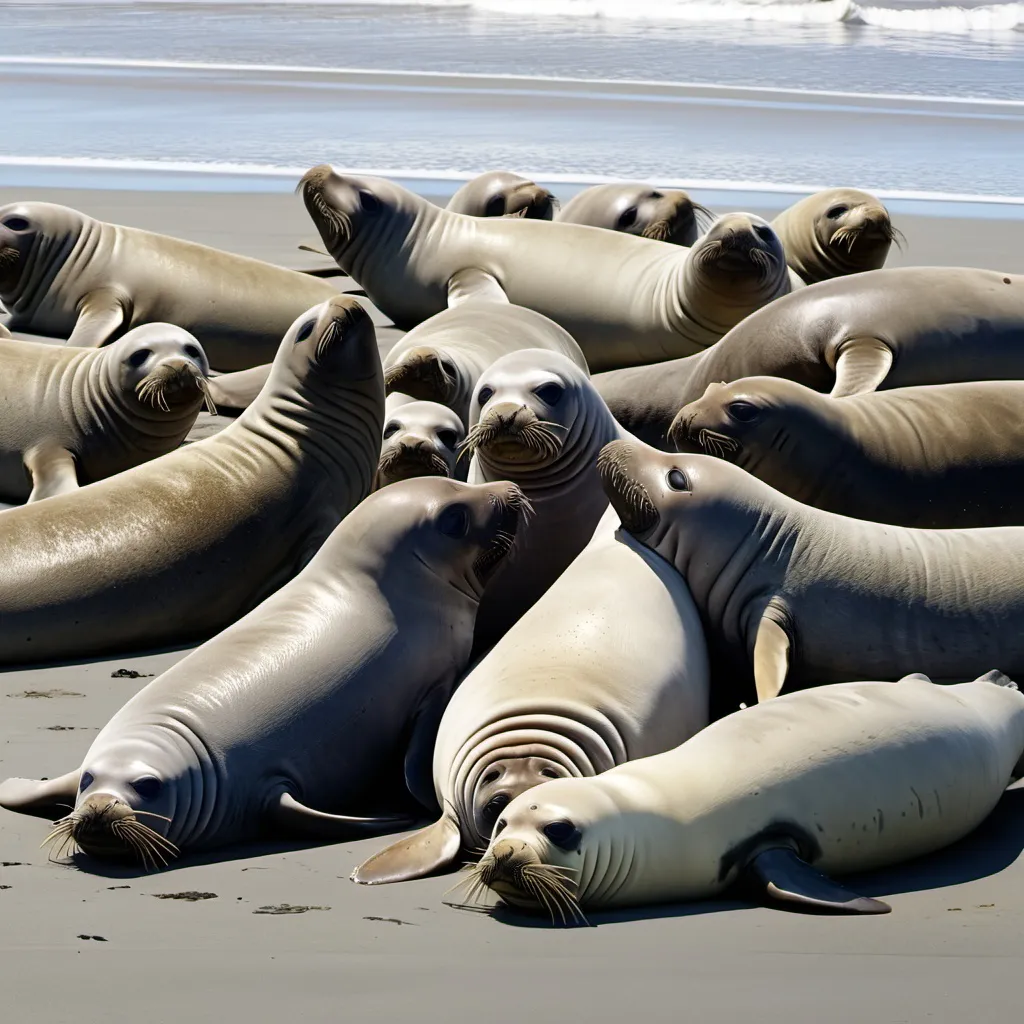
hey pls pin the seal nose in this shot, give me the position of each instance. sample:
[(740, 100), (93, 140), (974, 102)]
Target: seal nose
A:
[(506, 414)]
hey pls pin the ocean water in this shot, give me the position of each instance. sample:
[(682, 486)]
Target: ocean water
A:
[(906, 96)]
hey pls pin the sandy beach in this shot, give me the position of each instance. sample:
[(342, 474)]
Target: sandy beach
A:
[(262, 934)]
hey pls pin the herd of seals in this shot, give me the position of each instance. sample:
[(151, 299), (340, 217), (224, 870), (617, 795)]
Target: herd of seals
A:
[(732, 613)]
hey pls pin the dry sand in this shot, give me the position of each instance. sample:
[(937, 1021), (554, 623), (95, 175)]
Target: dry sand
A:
[(281, 934)]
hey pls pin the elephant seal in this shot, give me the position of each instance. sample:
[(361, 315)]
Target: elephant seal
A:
[(178, 548), (65, 275), (836, 232), (609, 665), (877, 330), (420, 439), (668, 215), (70, 416), (625, 300), (503, 194), (537, 422), (242, 737), (794, 596), (941, 456), (837, 780), (442, 359)]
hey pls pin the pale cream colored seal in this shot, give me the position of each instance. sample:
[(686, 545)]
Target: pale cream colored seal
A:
[(503, 194)]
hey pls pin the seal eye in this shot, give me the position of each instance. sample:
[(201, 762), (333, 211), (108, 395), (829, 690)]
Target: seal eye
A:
[(85, 782), (627, 218), (391, 429), (549, 773), (448, 438), (743, 412), (564, 834), (16, 223), (368, 201), (495, 207), (550, 394), (486, 394), (493, 808), (305, 331), (138, 357), (657, 195), (192, 352), (454, 521), (677, 480), (148, 787), (837, 211)]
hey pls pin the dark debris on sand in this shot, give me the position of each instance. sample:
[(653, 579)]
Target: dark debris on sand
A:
[(286, 908), (191, 896)]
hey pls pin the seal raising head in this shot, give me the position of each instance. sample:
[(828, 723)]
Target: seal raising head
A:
[(503, 194), (740, 248), (163, 366), (420, 439)]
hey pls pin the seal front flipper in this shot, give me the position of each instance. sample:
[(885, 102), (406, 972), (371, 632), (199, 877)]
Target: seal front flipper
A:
[(772, 649), (783, 877), (861, 365), (45, 798), (100, 315), (473, 283), (423, 853), (296, 819), (419, 756), (52, 470)]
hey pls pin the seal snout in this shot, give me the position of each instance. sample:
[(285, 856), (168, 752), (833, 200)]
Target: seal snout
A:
[(509, 507), (318, 187), (511, 431), (531, 202), (409, 457), (626, 493)]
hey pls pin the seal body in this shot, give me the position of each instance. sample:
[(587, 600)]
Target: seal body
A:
[(71, 416), (873, 331), (442, 359), (840, 779), (794, 596), (835, 232), (288, 720), (65, 275), (537, 422), (503, 194), (947, 455), (420, 439), (609, 665), (179, 547), (625, 300), (668, 215)]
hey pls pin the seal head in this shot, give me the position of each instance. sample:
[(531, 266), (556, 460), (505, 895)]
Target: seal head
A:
[(503, 194), (35, 238), (667, 215), (420, 439), (162, 366)]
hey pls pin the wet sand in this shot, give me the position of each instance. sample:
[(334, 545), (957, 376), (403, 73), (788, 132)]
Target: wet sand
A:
[(280, 933)]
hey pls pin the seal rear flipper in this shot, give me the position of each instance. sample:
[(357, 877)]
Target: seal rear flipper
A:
[(473, 283), (45, 798), (771, 657), (52, 470), (101, 314), (783, 877), (426, 852), (861, 365), (296, 819)]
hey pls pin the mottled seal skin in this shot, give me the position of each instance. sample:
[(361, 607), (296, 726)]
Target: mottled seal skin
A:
[(940, 456), (668, 215), (794, 596), (65, 275), (609, 665), (442, 359), (420, 439), (71, 416), (625, 300), (878, 330), (836, 780), (537, 422), (503, 194), (836, 232), (178, 548), (284, 724)]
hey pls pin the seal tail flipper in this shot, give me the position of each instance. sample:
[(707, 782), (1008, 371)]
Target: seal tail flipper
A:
[(45, 798), (472, 283), (784, 878), (426, 852), (861, 365), (100, 315), (771, 657), (296, 819)]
